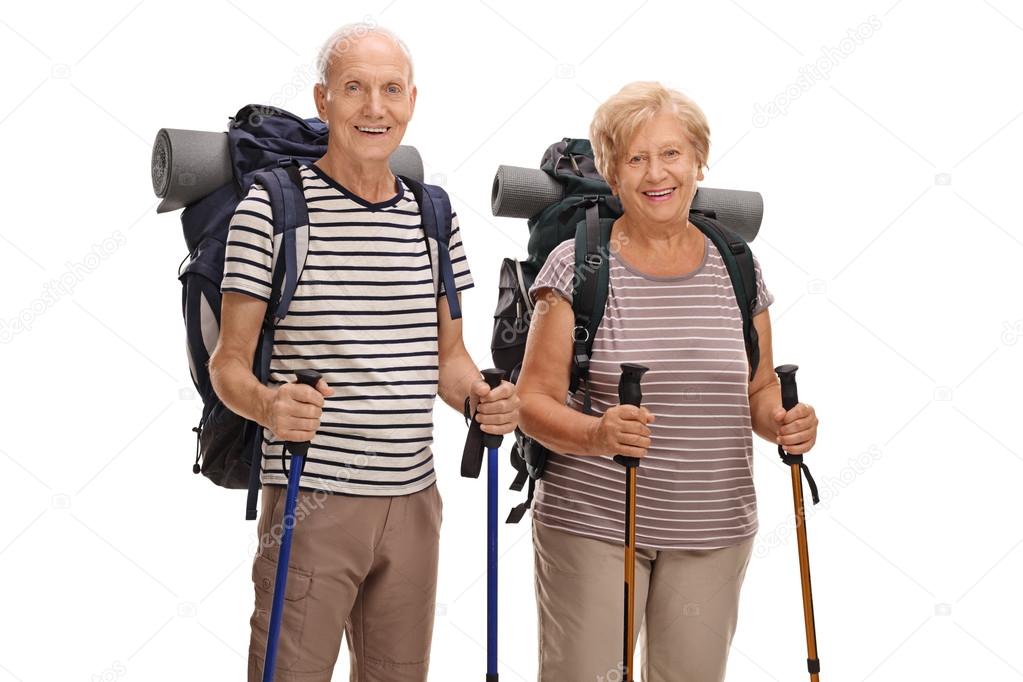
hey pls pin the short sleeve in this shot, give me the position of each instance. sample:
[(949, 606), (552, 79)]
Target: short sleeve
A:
[(764, 297), (249, 251), (459, 261), (558, 272)]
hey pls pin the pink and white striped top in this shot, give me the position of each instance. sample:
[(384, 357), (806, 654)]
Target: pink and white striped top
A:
[(694, 489)]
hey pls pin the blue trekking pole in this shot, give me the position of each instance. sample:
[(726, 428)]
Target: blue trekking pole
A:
[(493, 444), (298, 452), (472, 462)]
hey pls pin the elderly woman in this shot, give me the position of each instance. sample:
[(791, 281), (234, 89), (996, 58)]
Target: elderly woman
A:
[(670, 306)]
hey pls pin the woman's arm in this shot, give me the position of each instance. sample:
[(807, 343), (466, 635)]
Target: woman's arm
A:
[(543, 385), (795, 429)]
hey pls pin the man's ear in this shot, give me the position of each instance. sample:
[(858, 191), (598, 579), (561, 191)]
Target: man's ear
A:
[(320, 100), (412, 102)]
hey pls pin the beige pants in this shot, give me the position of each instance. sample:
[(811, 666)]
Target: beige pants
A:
[(366, 566), (686, 607)]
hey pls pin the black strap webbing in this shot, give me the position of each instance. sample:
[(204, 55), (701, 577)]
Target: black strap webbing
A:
[(798, 459)]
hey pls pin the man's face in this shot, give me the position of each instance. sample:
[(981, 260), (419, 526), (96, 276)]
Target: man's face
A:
[(368, 100)]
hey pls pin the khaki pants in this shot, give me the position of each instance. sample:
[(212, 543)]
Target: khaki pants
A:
[(686, 607), (366, 566)]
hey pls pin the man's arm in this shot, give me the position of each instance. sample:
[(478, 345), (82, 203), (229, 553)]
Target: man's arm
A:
[(241, 320), (459, 377), (291, 411)]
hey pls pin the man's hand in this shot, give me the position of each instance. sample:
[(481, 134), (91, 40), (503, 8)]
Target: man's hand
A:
[(497, 409), (294, 411)]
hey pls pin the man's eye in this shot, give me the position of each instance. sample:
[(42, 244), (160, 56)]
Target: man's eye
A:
[(352, 87), (393, 90)]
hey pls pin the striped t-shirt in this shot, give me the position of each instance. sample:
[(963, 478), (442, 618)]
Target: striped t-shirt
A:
[(694, 489), (364, 315)]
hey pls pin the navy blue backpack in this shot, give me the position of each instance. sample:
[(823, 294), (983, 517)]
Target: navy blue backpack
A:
[(266, 144)]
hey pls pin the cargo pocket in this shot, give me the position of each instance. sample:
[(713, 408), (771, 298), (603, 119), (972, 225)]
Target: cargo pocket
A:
[(264, 572)]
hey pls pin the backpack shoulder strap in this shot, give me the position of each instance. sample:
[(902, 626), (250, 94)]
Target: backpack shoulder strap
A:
[(589, 296), (739, 261), (435, 210), (283, 184)]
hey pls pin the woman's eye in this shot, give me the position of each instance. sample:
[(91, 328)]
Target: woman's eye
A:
[(638, 158), (671, 154)]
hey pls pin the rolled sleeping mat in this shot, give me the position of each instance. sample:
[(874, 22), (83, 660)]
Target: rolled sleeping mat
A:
[(189, 164), (523, 192), (407, 161)]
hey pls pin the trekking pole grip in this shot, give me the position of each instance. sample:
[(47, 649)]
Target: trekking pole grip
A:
[(309, 377), (789, 394), (630, 393), (493, 377)]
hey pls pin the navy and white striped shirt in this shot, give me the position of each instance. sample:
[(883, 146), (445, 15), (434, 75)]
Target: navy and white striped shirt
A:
[(364, 315)]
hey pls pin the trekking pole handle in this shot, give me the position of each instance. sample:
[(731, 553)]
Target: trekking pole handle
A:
[(789, 394), (630, 393), (493, 377), (309, 377)]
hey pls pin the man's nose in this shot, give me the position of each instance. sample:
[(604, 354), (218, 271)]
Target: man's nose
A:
[(373, 104)]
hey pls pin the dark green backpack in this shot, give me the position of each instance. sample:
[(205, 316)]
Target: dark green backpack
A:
[(585, 213)]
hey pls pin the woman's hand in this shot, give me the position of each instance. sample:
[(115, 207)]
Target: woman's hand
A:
[(796, 429), (622, 430)]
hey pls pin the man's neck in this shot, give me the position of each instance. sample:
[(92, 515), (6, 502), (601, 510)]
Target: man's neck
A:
[(371, 181)]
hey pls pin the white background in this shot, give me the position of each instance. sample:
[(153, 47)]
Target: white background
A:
[(889, 239)]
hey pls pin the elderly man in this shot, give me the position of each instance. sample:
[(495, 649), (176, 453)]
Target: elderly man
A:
[(366, 314)]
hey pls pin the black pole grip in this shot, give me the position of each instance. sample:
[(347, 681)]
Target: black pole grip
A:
[(309, 377), (630, 393), (789, 394), (493, 377)]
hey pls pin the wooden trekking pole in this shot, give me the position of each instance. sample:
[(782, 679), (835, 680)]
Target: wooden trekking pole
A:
[(629, 393), (789, 399)]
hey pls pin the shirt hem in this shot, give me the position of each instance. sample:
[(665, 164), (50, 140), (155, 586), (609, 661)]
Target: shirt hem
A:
[(538, 518), (354, 491)]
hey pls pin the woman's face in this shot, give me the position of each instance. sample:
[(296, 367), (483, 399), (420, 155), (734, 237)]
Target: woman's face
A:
[(657, 173)]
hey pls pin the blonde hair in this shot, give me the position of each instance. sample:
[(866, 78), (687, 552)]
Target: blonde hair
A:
[(618, 119)]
